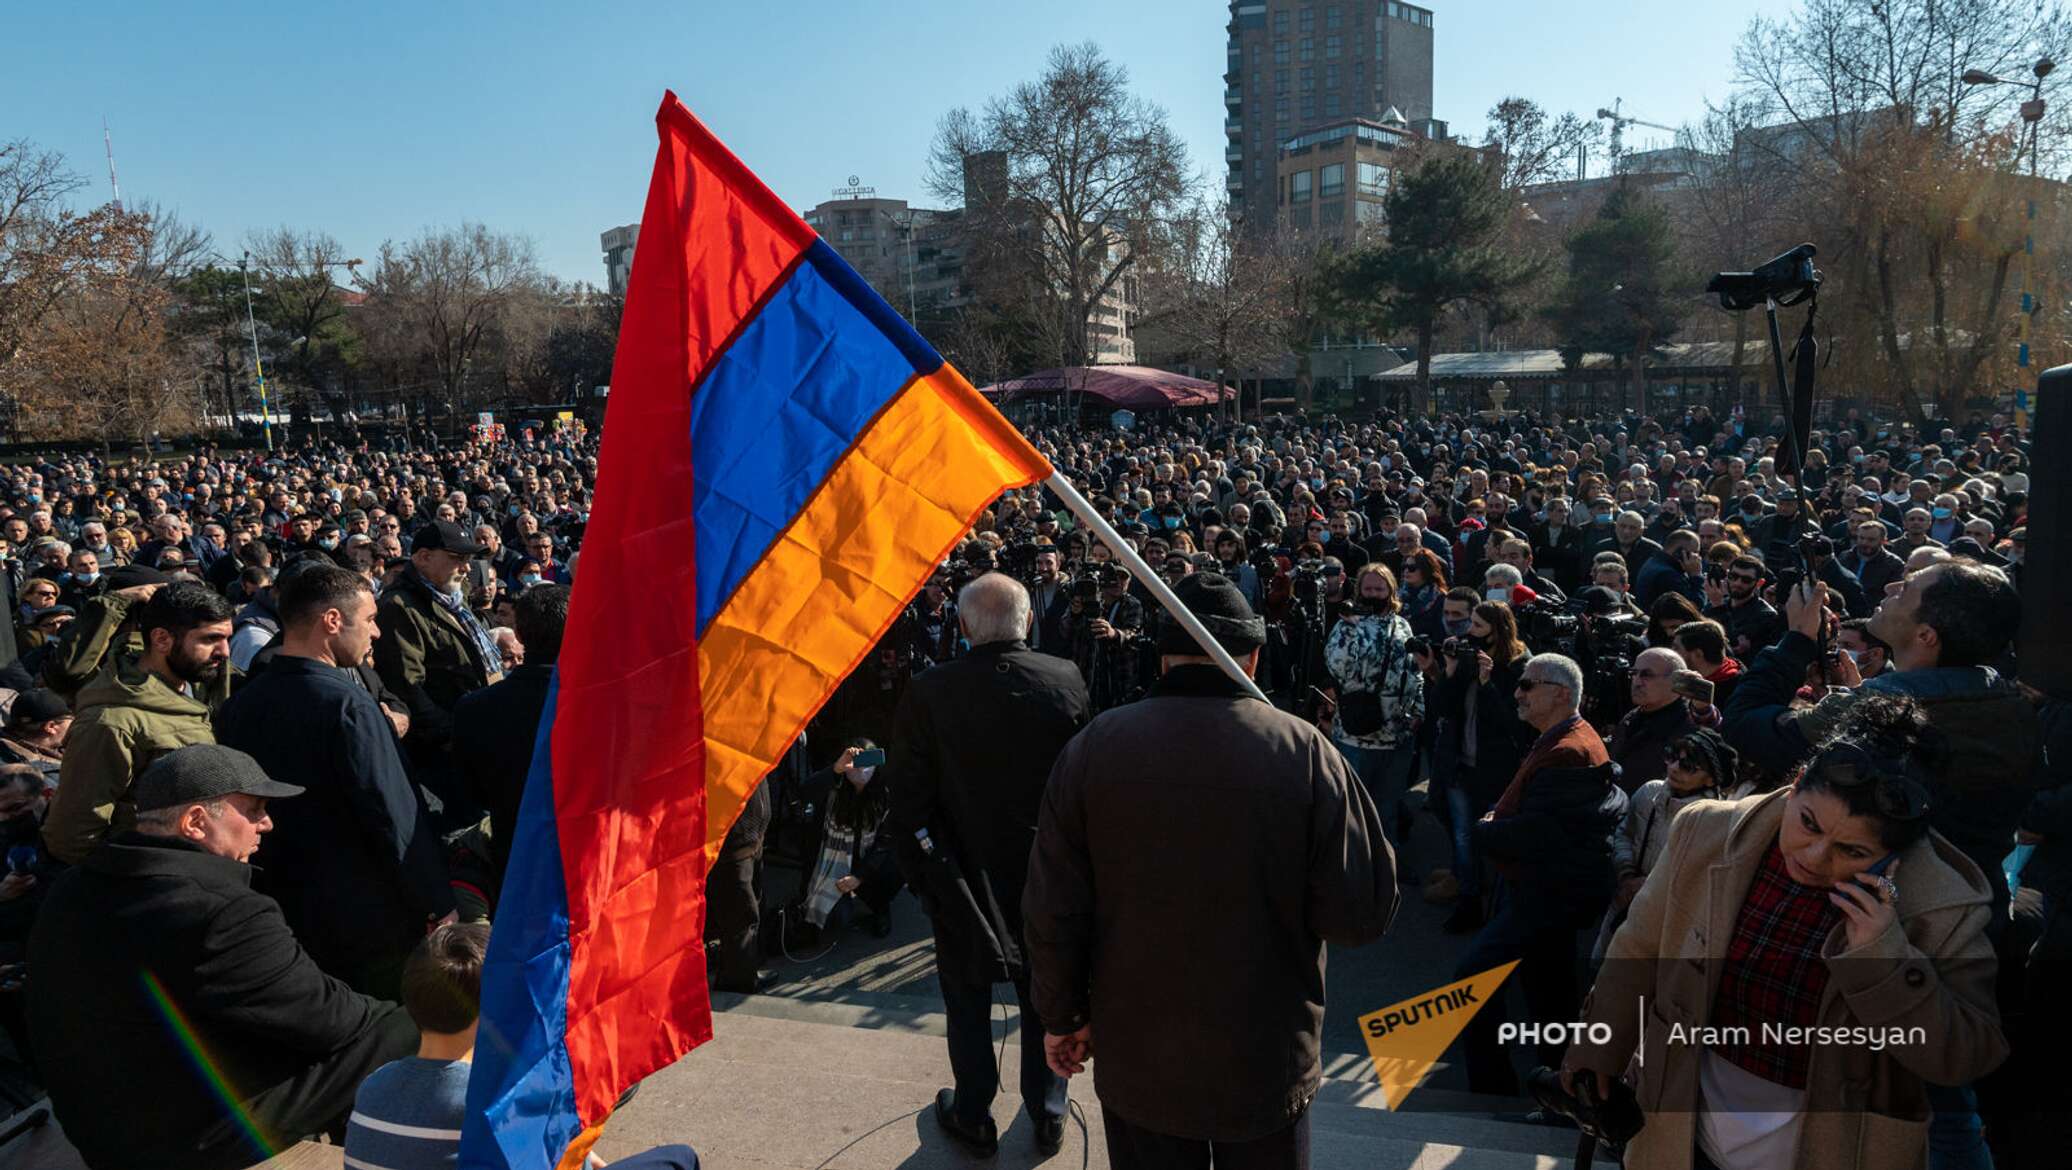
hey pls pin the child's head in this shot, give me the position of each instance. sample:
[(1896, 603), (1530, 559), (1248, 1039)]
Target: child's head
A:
[(442, 981)]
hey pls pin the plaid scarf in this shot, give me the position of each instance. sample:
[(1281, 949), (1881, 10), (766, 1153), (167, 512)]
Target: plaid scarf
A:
[(1774, 973)]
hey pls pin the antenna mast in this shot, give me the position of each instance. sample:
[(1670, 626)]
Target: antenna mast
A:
[(108, 142)]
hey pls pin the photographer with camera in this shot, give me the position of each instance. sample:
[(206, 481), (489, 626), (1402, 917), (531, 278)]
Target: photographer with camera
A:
[(1669, 702), (1480, 737), (1826, 905), (1105, 623), (1380, 698)]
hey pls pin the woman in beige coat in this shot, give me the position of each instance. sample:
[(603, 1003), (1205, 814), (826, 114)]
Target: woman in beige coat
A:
[(1797, 969)]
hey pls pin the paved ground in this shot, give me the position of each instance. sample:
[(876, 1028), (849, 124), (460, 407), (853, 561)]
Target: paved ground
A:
[(836, 1066), (1415, 956)]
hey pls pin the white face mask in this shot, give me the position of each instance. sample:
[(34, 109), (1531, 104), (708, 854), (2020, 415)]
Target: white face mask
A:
[(864, 773), (1498, 593)]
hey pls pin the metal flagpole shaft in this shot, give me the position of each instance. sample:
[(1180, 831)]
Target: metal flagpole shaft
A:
[(1078, 506)]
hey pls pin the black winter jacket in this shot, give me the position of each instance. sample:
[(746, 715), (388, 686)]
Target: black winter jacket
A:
[(355, 862), (147, 927), (972, 749), (1561, 841)]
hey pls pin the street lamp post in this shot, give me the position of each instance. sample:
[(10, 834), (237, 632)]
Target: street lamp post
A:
[(244, 268), (2032, 113)]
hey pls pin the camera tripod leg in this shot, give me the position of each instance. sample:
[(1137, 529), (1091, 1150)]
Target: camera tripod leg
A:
[(1791, 438)]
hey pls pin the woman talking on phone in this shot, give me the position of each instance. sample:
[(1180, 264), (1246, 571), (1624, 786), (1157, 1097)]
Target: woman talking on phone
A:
[(1798, 968)]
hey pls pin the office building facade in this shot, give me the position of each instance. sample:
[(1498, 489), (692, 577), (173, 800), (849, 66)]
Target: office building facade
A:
[(1297, 66)]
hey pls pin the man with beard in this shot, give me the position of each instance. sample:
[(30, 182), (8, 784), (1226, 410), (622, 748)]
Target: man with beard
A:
[(432, 651), (1750, 622), (136, 710)]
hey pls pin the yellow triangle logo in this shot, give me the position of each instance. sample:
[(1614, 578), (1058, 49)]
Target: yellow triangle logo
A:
[(1406, 1039)]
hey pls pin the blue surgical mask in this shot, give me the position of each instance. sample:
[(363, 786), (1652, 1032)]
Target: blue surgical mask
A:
[(529, 579), (1603, 519), (1941, 513), (1172, 521)]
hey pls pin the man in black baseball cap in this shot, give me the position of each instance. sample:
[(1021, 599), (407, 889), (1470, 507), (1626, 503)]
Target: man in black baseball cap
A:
[(163, 919)]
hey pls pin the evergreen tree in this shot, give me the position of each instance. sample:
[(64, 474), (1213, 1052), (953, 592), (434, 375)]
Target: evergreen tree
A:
[(1443, 250), (1622, 294)]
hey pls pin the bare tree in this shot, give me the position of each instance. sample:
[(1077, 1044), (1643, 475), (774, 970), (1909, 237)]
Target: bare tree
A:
[(45, 248), (1220, 300), (435, 301), (1533, 147), (295, 276), (1064, 181), (1902, 173)]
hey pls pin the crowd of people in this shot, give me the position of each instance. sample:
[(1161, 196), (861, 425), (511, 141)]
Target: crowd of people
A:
[(1615, 659)]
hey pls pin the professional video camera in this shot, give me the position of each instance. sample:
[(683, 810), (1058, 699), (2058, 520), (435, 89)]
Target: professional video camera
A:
[(1605, 649), (1092, 578), (1549, 628), (1610, 1116), (1793, 565), (1306, 582), (1784, 280)]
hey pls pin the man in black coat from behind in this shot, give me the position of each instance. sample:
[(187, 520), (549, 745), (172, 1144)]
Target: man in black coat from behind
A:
[(158, 931), (972, 749), (495, 728), (1197, 851), (356, 865)]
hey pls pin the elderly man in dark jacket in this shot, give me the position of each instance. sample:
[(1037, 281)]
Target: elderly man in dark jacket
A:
[(435, 651), (356, 865), (1550, 837), (155, 948), (1196, 852), (973, 744)]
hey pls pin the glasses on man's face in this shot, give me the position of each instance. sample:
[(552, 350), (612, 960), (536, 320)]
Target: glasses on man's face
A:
[(1525, 685), (1639, 673)]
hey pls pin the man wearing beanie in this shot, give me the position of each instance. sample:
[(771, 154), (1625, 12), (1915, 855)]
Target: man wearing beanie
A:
[(1196, 825)]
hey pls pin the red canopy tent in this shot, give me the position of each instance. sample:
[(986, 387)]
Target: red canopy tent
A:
[(1117, 387)]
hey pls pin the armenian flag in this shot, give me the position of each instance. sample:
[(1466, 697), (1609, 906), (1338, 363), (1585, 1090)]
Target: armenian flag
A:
[(784, 462)]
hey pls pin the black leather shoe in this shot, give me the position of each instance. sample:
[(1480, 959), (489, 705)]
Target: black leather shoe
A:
[(982, 1139), (1050, 1135)]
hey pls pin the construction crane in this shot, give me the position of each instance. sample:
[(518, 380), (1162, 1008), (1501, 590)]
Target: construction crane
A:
[(1619, 123)]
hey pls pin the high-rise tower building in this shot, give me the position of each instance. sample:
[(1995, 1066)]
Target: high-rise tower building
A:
[(1295, 66)]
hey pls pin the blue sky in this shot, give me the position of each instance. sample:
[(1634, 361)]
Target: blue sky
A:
[(374, 120)]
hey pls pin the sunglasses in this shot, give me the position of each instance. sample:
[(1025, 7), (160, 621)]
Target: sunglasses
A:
[(1744, 578), (1527, 684)]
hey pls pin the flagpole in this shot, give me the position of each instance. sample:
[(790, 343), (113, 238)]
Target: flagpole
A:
[(1077, 505)]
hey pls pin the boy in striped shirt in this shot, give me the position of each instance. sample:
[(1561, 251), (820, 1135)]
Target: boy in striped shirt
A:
[(408, 1112)]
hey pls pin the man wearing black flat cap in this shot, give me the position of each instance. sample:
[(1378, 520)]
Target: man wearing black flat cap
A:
[(432, 651), (159, 932), (1200, 822)]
